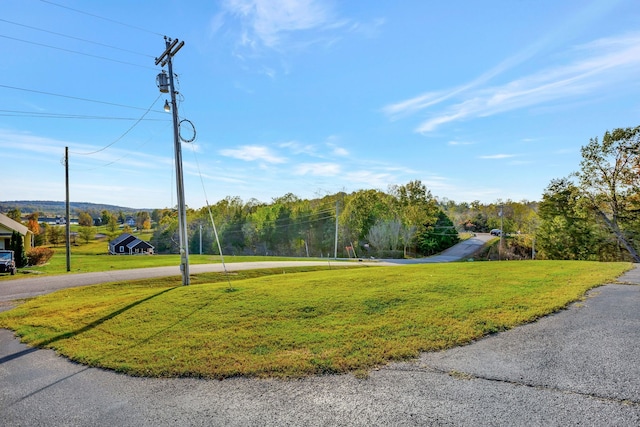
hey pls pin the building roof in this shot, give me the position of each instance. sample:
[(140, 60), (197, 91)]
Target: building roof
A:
[(128, 240), (13, 225)]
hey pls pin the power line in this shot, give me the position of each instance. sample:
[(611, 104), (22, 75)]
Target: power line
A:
[(119, 158), (76, 38), (44, 115), (124, 134), (103, 18), (76, 98), (78, 53)]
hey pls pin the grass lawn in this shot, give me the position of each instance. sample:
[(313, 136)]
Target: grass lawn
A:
[(270, 324), (93, 256)]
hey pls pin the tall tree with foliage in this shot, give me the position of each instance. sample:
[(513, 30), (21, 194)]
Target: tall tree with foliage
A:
[(567, 230), (610, 182), (438, 237), (417, 208), (15, 214), (85, 219), (361, 211), (16, 244)]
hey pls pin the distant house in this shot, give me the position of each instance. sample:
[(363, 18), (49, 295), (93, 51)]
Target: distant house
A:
[(127, 244), (58, 220), (7, 227)]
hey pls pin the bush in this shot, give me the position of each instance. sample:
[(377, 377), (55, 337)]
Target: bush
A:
[(390, 254), (39, 255)]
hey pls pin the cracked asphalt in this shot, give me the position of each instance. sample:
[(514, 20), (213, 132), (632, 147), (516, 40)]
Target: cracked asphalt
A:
[(578, 367)]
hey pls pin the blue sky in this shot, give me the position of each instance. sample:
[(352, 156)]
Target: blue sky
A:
[(484, 101)]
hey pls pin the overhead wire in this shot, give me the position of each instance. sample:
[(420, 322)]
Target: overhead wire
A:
[(124, 134), (77, 98), (79, 53), (17, 113), (103, 18), (76, 38), (78, 116), (119, 158), (215, 230)]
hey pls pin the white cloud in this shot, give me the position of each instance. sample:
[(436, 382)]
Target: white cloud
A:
[(318, 169), (295, 147), (603, 62), (370, 179), (497, 156), (251, 153), (339, 151), (268, 21)]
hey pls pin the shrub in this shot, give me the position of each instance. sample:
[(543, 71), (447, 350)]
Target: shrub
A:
[(39, 255)]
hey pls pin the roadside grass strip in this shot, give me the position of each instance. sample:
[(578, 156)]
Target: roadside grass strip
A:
[(307, 321)]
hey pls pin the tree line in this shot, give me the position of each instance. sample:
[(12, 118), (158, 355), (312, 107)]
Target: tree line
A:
[(592, 214), (406, 220)]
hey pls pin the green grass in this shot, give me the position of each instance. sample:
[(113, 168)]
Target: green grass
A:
[(269, 324), (93, 257)]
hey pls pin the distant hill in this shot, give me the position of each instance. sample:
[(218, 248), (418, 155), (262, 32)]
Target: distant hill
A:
[(52, 208)]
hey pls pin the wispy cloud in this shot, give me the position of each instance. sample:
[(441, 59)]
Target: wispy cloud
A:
[(595, 65), (295, 147), (250, 153), (460, 143), (370, 179), (340, 151), (497, 156), (267, 22), (318, 169)]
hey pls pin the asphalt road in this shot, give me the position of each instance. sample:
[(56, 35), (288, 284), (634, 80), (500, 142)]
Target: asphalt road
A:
[(580, 366), (15, 289)]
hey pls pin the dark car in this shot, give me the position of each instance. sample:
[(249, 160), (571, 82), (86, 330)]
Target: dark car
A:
[(7, 262), (496, 232)]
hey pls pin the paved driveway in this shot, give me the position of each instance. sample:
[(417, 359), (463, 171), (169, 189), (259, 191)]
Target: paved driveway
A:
[(580, 366)]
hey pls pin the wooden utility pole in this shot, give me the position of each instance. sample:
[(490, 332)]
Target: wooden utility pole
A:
[(67, 219), (172, 47)]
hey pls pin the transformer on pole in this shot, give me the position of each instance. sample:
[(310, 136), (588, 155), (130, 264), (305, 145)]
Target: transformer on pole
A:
[(172, 47)]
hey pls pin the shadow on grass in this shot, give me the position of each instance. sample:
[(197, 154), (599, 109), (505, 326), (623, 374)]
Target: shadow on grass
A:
[(100, 321)]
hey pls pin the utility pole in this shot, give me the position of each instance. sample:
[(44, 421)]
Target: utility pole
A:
[(335, 246), (501, 232), (67, 219), (172, 47)]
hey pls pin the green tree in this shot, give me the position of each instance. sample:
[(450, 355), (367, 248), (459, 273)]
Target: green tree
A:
[(567, 230), (55, 235), (15, 214), (361, 211), (609, 181), (416, 207), (112, 223), (105, 216), (438, 237), (87, 233), (85, 219), (16, 244), (41, 238)]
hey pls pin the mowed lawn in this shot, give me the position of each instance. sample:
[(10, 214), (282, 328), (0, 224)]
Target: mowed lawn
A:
[(290, 323)]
